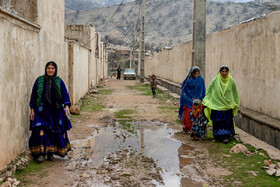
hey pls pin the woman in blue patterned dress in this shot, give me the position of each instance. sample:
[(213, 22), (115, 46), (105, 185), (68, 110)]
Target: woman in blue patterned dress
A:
[(49, 123)]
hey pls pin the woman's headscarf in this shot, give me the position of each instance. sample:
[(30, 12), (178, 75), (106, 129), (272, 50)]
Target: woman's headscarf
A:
[(191, 89), (221, 95), (50, 82)]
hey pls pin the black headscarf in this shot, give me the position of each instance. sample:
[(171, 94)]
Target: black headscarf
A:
[(50, 82)]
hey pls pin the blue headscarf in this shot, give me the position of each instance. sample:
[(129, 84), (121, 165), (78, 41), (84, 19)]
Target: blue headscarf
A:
[(191, 89)]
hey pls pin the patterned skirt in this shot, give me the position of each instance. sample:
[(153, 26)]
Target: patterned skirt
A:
[(223, 126), (198, 131), (43, 142), (186, 122)]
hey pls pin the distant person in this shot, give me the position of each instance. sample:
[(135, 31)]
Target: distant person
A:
[(119, 70), (199, 121), (222, 102), (192, 87), (49, 123), (153, 84)]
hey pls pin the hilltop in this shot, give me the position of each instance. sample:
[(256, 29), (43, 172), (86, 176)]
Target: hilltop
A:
[(168, 22)]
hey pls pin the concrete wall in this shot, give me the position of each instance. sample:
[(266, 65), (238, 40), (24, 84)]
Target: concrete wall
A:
[(85, 34), (18, 69), (26, 8), (172, 64), (252, 52), (51, 19), (78, 65), (25, 47)]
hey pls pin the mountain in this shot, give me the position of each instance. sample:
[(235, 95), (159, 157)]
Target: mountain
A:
[(168, 22), (91, 4), (236, 1)]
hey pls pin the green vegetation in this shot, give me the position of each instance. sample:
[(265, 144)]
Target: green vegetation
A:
[(124, 113), (128, 127), (105, 92), (33, 169), (146, 90), (91, 103), (125, 120), (241, 166), (178, 121), (168, 108)]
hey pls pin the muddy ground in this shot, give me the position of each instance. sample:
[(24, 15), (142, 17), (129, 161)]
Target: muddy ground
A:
[(132, 139)]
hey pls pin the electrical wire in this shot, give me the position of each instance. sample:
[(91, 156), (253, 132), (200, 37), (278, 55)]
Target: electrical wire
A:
[(123, 20), (108, 20)]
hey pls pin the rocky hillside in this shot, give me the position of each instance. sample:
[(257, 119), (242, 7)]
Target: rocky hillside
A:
[(168, 22), (91, 4)]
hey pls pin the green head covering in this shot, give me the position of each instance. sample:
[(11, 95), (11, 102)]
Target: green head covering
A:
[(221, 95)]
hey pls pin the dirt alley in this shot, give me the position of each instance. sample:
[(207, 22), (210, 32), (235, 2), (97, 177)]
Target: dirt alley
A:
[(129, 162)]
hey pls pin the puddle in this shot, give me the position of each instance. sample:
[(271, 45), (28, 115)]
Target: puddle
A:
[(148, 144), (82, 148), (149, 138)]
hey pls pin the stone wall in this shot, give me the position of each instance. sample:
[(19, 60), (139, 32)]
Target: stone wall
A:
[(252, 52)]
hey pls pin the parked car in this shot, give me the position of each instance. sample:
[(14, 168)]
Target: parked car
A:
[(129, 74)]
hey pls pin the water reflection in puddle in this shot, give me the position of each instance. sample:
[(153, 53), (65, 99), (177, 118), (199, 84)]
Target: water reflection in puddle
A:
[(152, 139)]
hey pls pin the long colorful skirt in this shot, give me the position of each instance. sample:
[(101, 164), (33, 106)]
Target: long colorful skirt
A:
[(186, 122), (223, 126), (43, 142)]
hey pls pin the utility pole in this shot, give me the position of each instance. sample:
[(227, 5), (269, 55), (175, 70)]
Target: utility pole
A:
[(133, 46), (142, 46), (132, 50), (199, 35), (131, 53)]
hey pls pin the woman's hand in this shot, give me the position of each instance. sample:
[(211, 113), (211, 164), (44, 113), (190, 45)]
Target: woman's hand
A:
[(32, 114), (67, 110)]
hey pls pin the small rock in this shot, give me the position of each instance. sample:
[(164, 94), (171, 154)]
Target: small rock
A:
[(11, 180), (278, 164), (228, 156), (73, 166), (2, 179), (125, 174), (273, 166), (6, 184), (278, 180), (175, 103), (16, 183), (115, 176), (253, 173), (277, 173), (267, 162), (85, 175), (265, 167), (168, 101), (271, 171), (239, 148), (75, 110), (262, 154)]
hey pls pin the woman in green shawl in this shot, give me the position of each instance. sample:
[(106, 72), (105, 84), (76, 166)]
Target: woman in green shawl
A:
[(222, 102)]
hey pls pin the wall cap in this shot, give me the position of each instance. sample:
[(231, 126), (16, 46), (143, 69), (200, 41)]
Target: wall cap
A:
[(261, 118)]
